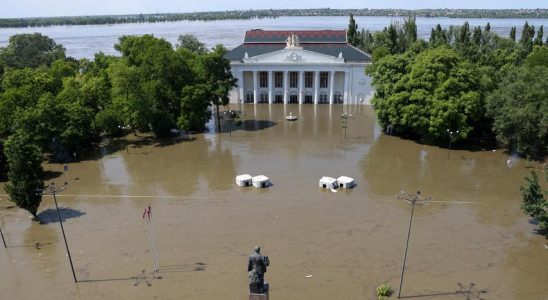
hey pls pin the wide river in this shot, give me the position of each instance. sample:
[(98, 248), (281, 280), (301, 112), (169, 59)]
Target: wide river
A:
[(471, 242), (85, 41)]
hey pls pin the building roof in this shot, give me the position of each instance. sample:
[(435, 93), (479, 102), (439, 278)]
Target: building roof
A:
[(349, 52), (305, 36)]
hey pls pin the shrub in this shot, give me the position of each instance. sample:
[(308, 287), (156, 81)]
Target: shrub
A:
[(383, 291)]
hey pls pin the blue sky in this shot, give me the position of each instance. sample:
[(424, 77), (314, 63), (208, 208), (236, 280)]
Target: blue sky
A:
[(36, 8)]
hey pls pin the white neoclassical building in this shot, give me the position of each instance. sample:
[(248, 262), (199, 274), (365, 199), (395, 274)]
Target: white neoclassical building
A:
[(304, 67)]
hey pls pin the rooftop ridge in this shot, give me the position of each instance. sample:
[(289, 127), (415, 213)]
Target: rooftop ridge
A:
[(330, 36)]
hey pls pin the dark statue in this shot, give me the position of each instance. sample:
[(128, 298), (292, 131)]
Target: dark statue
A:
[(256, 269)]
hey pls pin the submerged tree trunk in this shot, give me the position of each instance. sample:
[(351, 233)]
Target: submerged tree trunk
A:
[(218, 119)]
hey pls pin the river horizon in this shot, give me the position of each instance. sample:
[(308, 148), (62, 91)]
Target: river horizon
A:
[(84, 41)]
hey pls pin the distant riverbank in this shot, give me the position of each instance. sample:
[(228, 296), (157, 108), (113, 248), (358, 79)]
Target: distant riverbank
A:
[(84, 41), (269, 13)]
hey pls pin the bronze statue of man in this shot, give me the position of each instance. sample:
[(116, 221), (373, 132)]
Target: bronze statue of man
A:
[(256, 268)]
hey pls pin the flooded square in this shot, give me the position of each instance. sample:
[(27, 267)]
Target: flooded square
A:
[(473, 238)]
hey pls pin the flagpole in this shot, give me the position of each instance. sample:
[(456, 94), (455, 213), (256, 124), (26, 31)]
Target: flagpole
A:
[(154, 244)]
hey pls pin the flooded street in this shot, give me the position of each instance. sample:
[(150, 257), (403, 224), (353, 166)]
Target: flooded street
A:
[(473, 234)]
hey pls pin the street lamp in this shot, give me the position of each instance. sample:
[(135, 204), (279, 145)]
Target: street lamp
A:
[(52, 190), (344, 117), (413, 199), (451, 133), (3, 240)]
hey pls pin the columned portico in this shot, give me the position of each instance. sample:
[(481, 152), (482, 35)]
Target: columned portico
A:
[(331, 86), (274, 67), (286, 86), (346, 85), (301, 90), (316, 87), (270, 88), (255, 88)]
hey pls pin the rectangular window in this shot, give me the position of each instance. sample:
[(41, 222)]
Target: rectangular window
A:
[(293, 79), (263, 98), (278, 79), (308, 79), (263, 79), (323, 98), (324, 76)]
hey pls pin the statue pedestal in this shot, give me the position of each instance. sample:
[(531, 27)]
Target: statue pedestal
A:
[(258, 296)]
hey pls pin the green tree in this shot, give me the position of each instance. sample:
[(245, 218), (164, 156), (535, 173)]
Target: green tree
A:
[(436, 91), (539, 57), (352, 34), (30, 51), (520, 111), (538, 39), (534, 203), (25, 172), (214, 71), (191, 43), (194, 108), (513, 33)]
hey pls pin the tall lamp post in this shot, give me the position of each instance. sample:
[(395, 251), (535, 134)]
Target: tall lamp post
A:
[(52, 190), (344, 117), (413, 199), (3, 240), (450, 133)]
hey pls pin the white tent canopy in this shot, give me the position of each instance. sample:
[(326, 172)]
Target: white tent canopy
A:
[(260, 181), (345, 182), (328, 182), (243, 180)]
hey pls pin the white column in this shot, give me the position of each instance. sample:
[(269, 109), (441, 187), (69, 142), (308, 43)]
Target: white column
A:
[(331, 86), (346, 85), (255, 89), (270, 88), (301, 85), (241, 95), (286, 87), (316, 86)]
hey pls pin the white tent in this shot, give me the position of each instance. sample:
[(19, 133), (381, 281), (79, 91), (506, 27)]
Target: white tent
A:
[(345, 182), (260, 181), (243, 180), (328, 182)]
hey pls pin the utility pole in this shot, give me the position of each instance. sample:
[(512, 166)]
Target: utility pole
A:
[(147, 216), (3, 240), (344, 117), (52, 190), (413, 199)]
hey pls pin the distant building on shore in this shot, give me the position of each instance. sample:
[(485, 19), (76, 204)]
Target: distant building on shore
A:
[(299, 66)]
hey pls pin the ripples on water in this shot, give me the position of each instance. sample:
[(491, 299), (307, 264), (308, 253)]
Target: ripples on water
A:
[(85, 41)]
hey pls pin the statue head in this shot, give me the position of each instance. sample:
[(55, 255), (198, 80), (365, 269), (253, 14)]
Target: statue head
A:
[(257, 249)]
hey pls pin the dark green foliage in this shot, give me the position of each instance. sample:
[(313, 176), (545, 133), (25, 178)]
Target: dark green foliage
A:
[(3, 162), (191, 43), (25, 172), (534, 203), (214, 71), (30, 51), (538, 39), (194, 108), (539, 57), (520, 111), (352, 33), (513, 33), (428, 94)]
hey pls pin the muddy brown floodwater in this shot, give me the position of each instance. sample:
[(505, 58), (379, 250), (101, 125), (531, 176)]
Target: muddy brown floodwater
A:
[(349, 241)]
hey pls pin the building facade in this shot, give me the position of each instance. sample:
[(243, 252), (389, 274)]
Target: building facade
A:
[(303, 67)]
